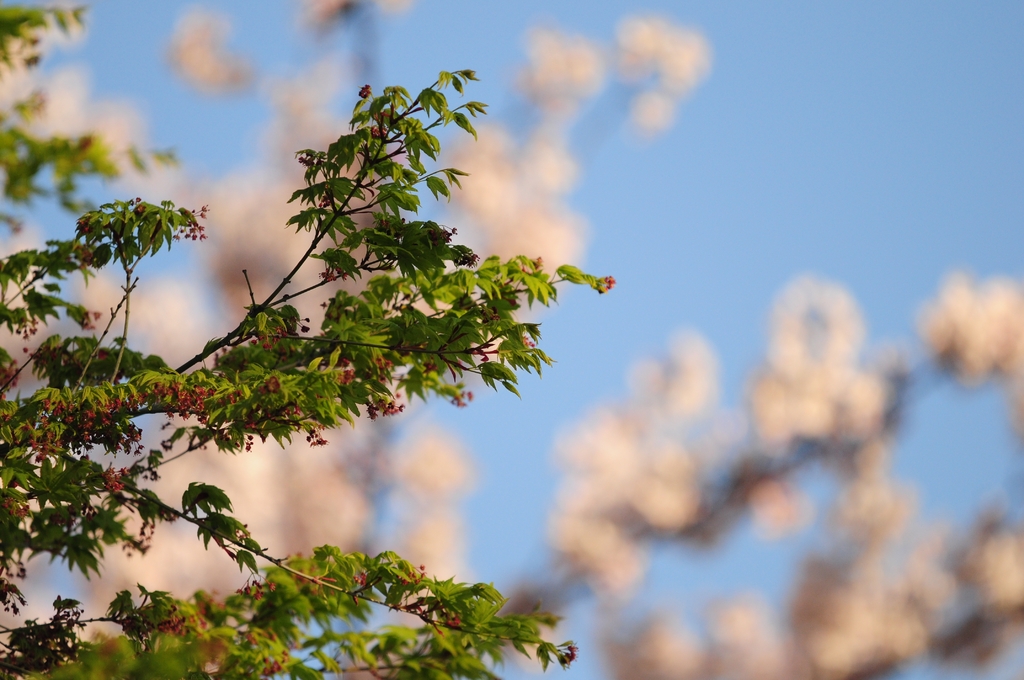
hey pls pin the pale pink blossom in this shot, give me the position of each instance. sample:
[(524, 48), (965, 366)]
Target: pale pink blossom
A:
[(199, 54)]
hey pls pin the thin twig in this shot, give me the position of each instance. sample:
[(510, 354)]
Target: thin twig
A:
[(129, 287), (195, 445), (248, 285), (10, 381), (288, 296)]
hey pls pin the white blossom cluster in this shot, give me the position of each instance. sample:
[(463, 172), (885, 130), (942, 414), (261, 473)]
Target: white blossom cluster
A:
[(249, 207), (432, 471), (563, 71), (857, 612), (812, 386), (846, 621), (649, 468), (675, 58), (992, 563), (975, 330), (851, 613), (516, 196), (743, 642), (626, 472), (663, 61), (887, 592), (198, 53), (514, 201)]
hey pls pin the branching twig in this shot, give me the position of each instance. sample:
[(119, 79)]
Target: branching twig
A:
[(321, 232), (92, 355)]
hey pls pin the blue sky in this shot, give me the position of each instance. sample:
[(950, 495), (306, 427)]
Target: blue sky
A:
[(875, 144)]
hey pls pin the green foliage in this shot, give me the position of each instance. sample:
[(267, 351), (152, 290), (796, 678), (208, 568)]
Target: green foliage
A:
[(20, 29), (34, 165), (25, 157), (427, 313), (291, 622)]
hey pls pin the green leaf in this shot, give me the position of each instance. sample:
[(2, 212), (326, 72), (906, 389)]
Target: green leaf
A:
[(246, 559)]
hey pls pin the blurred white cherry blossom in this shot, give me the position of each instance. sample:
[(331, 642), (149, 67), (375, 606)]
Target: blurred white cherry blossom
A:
[(249, 207), (628, 471), (746, 642), (660, 649), (683, 387), (812, 385), (432, 472), (514, 200), (563, 71), (199, 54), (871, 508), (993, 565), (976, 329), (673, 59), (169, 315), (846, 621), (646, 469)]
